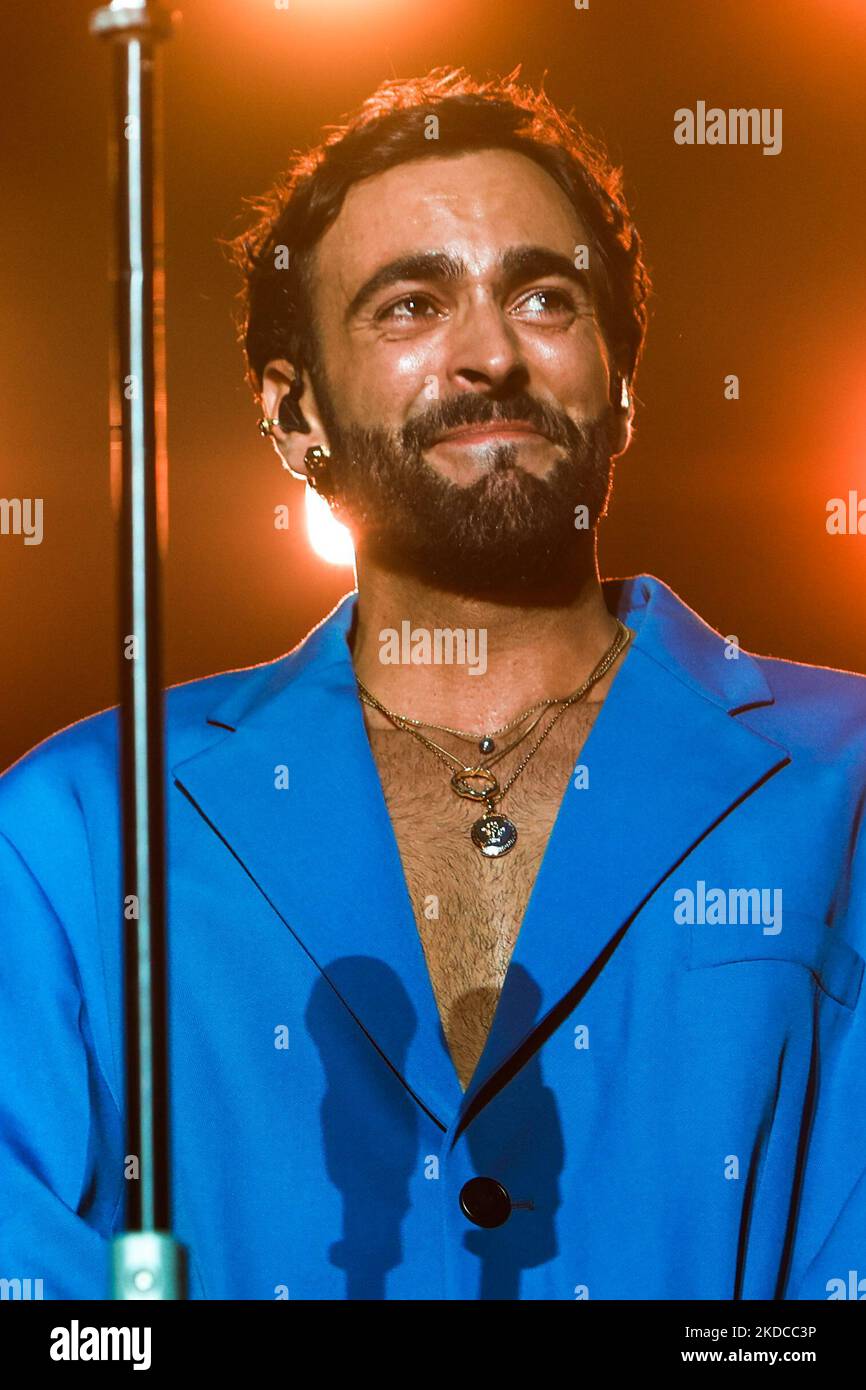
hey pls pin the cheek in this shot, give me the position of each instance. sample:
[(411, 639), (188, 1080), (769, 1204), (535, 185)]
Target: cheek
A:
[(576, 371), (385, 382)]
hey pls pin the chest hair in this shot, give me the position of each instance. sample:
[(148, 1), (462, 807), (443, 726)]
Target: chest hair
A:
[(468, 909)]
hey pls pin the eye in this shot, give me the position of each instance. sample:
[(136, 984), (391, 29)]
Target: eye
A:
[(551, 301), (404, 310)]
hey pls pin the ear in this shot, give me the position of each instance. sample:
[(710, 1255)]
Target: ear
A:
[(279, 381), (621, 425), (622, 431)]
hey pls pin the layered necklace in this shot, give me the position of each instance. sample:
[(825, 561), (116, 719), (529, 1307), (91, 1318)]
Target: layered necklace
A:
[(494, 834)]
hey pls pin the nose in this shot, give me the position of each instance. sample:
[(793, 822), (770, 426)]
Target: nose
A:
[(483, 350)]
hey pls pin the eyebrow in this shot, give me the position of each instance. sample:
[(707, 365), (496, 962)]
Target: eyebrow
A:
[(514, 265)]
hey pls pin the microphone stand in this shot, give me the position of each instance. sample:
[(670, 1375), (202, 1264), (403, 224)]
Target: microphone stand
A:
[(147, 1262)]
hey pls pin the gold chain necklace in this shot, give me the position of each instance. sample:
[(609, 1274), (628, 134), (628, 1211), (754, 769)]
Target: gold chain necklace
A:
[(485, 742), (494, 834)]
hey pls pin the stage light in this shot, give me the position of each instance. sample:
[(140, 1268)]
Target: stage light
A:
[(328, 538)]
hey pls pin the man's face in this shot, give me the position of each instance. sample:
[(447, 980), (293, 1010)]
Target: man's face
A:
[(463, 378)]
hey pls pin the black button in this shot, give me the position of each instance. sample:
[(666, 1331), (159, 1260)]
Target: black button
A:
[(485, 1201)]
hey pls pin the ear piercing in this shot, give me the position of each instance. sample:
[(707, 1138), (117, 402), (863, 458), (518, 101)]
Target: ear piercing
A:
[(289, 417), (316, 464), (315, 459)]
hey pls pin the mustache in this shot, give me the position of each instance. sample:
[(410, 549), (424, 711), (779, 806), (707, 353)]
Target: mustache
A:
[(472, 408)]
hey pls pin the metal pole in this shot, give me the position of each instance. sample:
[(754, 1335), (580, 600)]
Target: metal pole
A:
[(146, 1261)]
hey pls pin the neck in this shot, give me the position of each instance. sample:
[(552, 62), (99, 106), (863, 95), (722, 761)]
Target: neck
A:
[(505, 655)]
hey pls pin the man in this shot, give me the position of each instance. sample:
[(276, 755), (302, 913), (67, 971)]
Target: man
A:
[(516, 917)]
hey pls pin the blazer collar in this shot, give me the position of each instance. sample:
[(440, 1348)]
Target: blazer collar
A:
[(666, 761), (668, 631)]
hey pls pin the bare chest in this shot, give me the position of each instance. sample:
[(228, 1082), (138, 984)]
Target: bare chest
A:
[(469, 909)]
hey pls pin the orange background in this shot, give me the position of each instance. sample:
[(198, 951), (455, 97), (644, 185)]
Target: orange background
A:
[(757, 261)]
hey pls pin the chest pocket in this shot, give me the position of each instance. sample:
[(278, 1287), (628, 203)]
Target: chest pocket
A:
[(803, 940)]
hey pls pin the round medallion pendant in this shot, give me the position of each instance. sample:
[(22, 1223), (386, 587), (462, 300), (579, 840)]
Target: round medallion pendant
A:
[(494, 835)]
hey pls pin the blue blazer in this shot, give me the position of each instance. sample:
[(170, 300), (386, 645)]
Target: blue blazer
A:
[(673, 1091)]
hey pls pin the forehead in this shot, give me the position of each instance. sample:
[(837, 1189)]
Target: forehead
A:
[(473, 203)]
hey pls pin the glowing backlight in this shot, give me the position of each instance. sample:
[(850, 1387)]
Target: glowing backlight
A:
[(328, 538)]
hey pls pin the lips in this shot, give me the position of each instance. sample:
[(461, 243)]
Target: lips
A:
[(468, 434)]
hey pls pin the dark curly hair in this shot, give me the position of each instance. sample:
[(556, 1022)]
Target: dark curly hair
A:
[(391, 127)]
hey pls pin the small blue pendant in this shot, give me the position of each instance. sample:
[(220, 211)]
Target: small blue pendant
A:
[(486, 744)]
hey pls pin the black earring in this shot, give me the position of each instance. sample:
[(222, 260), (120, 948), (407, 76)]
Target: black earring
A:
[(290, 416)]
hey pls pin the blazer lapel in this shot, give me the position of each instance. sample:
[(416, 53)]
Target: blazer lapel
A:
[(323, 851), (666, 761)]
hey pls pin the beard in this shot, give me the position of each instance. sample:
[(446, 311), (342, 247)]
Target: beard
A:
[(508, 532)]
